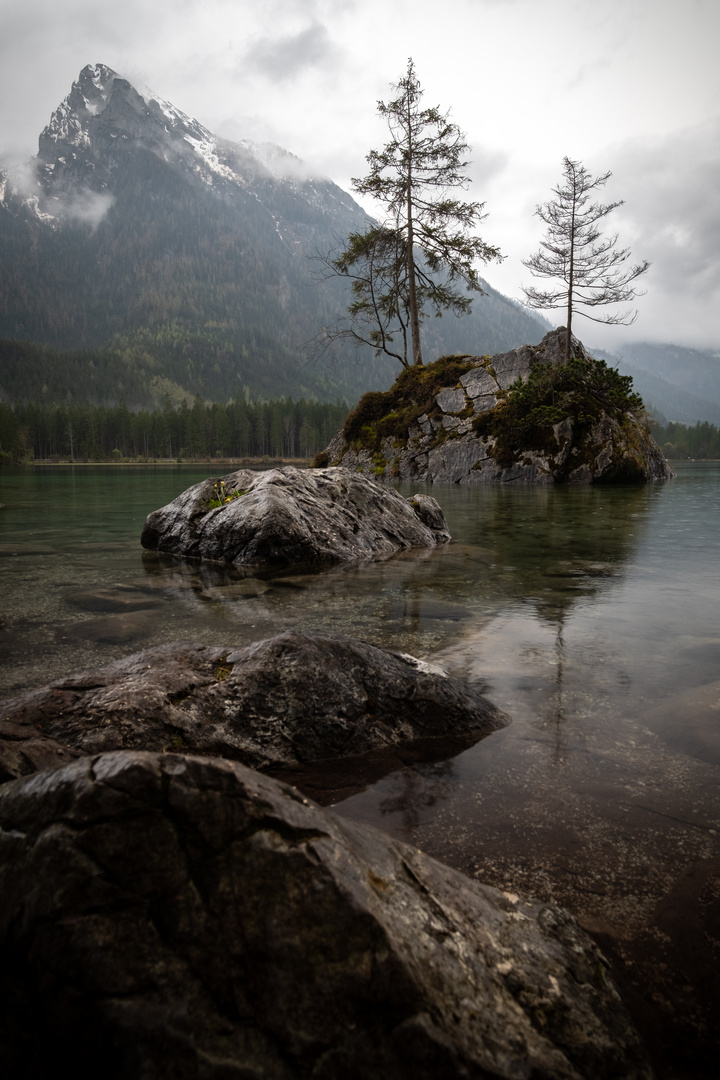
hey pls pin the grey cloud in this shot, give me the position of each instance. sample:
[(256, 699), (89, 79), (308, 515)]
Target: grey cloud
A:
[(672, 207), (671, 216), (284, 57), (85, 206), (485, 166), (89, 207)]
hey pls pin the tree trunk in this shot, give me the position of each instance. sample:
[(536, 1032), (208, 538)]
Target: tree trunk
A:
[(412, 294), (571, 275)]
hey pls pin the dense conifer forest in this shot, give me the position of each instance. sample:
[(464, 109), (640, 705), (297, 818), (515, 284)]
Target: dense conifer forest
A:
[(240, 429), (680, 441)]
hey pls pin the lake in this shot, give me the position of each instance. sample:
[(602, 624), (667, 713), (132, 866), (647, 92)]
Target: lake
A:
[(590, 615)]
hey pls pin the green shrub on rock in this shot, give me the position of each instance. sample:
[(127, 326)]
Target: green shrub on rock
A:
[(580, 390)]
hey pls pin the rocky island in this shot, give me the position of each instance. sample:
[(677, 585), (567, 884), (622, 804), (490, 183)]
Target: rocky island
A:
[(523, 416)]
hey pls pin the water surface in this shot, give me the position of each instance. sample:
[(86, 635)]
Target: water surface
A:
[(590, 615)]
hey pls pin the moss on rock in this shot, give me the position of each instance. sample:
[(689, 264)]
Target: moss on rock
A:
[(391, 413), (527, 414)]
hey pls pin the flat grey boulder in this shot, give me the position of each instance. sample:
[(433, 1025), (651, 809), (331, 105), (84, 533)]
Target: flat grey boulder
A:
[(283, 704), (293, 517), (172, 916)]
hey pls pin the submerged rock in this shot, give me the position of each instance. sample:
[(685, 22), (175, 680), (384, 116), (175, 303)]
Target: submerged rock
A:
[(449, 423), (282, 703), (288, 517), (163, 915)]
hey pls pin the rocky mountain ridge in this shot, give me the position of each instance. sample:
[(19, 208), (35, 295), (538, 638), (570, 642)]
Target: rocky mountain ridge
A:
[(82, 146), (189, 256)]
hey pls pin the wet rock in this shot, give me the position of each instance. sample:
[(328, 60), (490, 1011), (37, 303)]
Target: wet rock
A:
[(170, 916), (111, 598), (125, 629), (285, 702), (286, 517)]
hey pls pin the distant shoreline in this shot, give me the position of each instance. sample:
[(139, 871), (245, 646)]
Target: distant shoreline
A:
[(272, 463)]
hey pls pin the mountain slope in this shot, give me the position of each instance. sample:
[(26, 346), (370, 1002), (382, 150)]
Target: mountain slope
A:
[(188, 257), (678, 383), (668, 399), (696, 371)]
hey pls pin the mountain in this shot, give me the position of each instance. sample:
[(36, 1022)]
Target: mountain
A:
[(145, 257), (681, 384)]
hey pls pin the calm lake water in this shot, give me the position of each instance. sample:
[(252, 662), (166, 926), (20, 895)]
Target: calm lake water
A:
[(590, 615)]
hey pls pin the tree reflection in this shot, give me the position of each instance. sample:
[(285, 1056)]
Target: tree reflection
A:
[(415, 790)]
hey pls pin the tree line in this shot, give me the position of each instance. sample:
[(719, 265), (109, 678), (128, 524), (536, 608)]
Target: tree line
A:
[(284, 428), (239, 429), (679, 441)]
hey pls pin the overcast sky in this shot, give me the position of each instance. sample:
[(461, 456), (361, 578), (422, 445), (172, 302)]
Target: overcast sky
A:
[(631, 86)]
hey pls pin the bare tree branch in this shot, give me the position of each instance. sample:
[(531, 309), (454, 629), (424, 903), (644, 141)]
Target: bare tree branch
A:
[(590, 268)]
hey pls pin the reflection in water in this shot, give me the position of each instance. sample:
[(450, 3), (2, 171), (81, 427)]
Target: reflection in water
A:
[(556, 719), (589, 615), (412, 792), (547, 550)]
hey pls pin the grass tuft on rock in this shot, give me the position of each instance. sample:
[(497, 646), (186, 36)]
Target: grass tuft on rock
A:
[(391, 413)]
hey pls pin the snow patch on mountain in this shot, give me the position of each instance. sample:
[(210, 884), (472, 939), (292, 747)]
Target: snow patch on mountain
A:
[(104, 116)]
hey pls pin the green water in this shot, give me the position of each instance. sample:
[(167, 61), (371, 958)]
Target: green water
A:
[(631, 573), (582, 611)]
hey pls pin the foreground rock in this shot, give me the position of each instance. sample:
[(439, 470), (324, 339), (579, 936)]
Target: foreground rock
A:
[(293, 517), (449, 423), (165, 916), (283, 703)]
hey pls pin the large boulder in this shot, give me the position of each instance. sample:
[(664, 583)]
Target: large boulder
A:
[(283, 704), (170, 916), (443, 424), (293, 517)]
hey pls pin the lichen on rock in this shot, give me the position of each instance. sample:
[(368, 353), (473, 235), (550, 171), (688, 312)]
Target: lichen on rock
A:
[(294, 517)]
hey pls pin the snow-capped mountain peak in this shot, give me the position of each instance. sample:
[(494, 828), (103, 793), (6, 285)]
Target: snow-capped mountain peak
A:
[(106, 131), (104, 115), (88, 96)]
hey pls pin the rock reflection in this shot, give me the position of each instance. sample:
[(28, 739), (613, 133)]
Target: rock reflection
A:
[(547, 548)]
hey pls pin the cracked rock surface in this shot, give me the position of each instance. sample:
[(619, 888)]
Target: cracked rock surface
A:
[(284, 702), (174, 916), (292, 517)]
